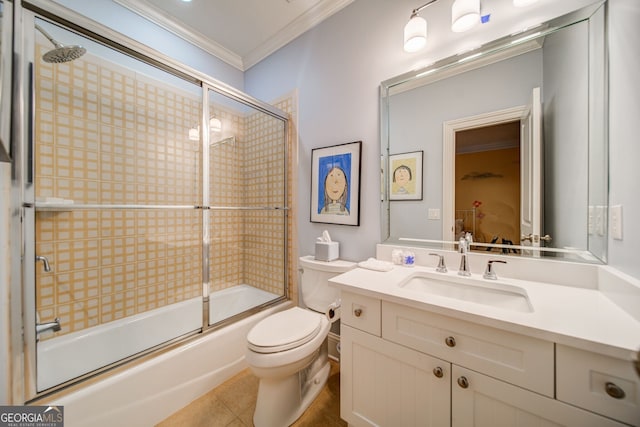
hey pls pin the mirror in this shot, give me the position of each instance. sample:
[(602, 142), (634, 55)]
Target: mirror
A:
[(460, 114)]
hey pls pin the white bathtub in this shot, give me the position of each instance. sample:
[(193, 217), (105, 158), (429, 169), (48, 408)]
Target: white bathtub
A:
[(234, 300), (150, 391)]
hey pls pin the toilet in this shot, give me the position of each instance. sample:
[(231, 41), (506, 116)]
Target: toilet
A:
[(288, 351)]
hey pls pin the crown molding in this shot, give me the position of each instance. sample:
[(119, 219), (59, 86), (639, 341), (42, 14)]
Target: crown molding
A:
[(315, 15), (321, 11), (151, 13)]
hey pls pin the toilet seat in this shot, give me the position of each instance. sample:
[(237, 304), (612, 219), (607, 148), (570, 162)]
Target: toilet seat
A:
[(284, 330)]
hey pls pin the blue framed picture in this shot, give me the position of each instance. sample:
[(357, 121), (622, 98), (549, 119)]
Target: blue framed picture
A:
[(335, 184)]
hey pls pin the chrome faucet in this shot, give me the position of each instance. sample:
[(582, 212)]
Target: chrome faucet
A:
[(488, 272), (441, 268), (49, 326), (45, 261), (463, 248)]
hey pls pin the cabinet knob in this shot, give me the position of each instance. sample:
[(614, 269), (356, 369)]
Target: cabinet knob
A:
[(357, 312), (614, 391), (438, 372), (450, 341), (463, 382)]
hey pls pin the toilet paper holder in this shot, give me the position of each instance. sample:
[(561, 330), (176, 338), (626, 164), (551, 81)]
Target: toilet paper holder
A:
[(333, 310)]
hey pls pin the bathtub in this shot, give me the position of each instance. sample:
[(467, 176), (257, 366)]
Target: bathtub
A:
[(150, 391), (234, 300)]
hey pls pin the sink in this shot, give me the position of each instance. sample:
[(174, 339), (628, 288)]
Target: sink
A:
[(499, 295)]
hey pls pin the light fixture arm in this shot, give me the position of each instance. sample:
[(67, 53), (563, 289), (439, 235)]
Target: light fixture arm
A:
[(418, 9)]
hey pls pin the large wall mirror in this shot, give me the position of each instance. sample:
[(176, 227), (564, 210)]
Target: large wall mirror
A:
[(507, 142)]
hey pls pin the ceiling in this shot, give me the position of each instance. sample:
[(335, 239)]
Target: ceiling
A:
[(239, 32)]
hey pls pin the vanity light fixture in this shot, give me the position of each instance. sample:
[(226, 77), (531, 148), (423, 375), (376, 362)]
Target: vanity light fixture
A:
[(194, 133), (215, 125), (415, 32), (464, 15)]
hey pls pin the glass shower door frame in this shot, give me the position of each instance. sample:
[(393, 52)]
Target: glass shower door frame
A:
[(24, 166)]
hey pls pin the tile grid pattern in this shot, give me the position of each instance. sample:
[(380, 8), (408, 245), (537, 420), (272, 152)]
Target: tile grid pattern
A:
[(105, 134)]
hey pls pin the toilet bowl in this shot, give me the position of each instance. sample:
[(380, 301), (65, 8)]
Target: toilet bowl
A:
[(288, 351)]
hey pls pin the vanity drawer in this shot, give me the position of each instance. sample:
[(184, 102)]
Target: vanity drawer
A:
[(361, 312), (516, 359), (599, 383)]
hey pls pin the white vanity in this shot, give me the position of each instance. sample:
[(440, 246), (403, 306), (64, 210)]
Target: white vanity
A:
[(422, 348)]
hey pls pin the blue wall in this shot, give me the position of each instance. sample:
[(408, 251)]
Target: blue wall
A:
[(130, 24)]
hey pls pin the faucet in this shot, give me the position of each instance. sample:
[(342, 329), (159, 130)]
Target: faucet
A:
[(45, 261), (441, 268), (463, 247), (489, 273), (49, 326)]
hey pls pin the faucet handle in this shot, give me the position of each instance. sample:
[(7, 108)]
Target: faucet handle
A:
[(441, 268), (463, 245), (488, 272)]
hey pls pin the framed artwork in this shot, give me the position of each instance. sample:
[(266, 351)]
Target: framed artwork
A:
[(335, 184), (405, 176)]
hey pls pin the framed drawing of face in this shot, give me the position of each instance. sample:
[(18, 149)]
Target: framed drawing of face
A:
[(335, 184), (405, 179)]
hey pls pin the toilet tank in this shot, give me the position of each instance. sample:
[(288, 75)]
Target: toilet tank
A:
[(315, 290)]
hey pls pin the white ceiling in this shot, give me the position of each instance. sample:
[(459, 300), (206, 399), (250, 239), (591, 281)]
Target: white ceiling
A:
[(239, 32)]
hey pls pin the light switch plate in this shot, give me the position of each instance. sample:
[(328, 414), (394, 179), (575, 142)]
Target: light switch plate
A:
[(616, 222), (434, 213)]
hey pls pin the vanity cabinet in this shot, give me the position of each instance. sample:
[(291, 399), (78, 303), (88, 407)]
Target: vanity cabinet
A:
[(386, 384), (418, 368), (599, 383)]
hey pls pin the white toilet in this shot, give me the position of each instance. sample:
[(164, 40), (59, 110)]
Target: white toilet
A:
[(288, 351)]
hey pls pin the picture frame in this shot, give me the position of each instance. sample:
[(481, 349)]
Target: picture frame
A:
[(335, 184), (405, 176)]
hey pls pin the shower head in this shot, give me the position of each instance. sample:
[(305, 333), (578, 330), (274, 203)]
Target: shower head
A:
[(61, 53)]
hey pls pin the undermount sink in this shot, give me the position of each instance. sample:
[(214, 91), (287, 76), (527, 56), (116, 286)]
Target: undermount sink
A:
[(496, 294)]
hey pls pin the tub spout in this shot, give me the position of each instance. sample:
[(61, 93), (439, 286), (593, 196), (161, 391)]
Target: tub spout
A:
[(45, 261), (49, 326)]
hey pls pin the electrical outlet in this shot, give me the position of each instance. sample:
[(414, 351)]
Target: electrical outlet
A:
[(616, 222)]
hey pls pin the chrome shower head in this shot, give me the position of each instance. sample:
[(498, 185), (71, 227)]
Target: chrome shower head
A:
[(61, 53)]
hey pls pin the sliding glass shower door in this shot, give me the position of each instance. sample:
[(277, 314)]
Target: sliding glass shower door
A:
[(116, 186), (150, 216), (246, 178)]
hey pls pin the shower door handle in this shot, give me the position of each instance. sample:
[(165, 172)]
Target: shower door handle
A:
[(49, 326)]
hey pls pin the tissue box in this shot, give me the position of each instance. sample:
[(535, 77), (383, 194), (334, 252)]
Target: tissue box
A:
[(327, 251)]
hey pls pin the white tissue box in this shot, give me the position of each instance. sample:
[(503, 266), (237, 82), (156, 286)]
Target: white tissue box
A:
[(327, 251)]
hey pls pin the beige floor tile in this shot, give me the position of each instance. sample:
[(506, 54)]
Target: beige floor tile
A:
[(232, 405)]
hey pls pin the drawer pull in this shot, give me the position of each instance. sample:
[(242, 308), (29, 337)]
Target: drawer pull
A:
[(463, 382), (450, 341), (357, 312), (614, 391), (437, 371)]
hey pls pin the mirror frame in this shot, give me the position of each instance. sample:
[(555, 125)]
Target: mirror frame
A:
[(489, 53)]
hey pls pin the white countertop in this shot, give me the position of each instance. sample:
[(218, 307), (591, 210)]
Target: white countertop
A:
[(582, 318)]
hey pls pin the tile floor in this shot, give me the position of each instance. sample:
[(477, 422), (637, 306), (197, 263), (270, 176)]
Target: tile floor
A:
[(232, 404)]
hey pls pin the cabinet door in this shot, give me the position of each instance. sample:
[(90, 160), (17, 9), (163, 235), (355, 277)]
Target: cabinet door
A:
[(482, 401), (385, 384)]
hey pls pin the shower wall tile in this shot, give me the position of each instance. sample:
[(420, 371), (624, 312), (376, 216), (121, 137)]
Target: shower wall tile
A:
[(107, 135)]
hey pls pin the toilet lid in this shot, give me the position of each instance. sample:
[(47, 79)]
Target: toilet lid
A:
[(284, 330)]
